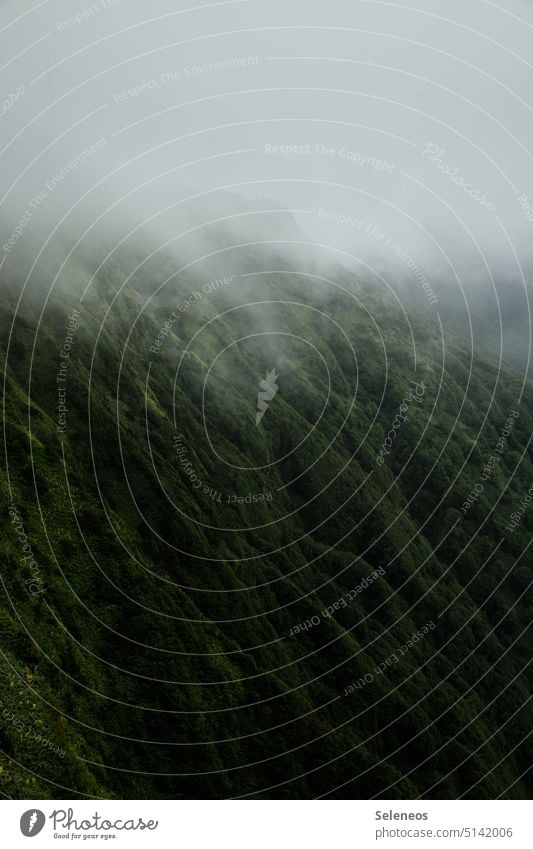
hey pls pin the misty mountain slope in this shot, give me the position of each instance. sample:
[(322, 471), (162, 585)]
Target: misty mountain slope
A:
[(219, 603)]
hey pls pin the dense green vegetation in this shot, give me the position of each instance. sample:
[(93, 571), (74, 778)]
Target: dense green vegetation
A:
[(155, 646)]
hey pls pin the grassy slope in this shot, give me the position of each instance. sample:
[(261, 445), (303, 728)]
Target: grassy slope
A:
[(157, 628)]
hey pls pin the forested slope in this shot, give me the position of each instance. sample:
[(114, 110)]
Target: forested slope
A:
[(223, 608)]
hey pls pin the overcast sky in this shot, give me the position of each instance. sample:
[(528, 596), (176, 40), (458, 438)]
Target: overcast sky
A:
[(413, 120)]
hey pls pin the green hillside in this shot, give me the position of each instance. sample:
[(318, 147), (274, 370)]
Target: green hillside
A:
[(216, 608)]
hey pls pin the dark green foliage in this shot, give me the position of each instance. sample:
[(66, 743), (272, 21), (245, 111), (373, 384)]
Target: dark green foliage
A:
[(165, 668)]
